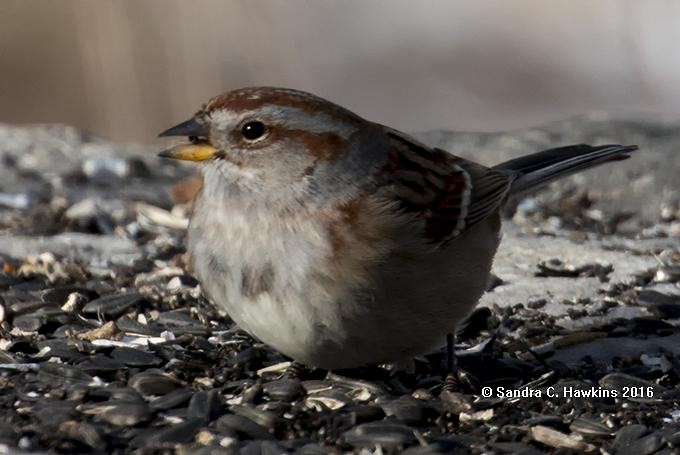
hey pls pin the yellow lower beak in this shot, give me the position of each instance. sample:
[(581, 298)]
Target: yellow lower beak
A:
[(190, 152)]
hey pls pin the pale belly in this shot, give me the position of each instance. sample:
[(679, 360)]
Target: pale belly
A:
[(279, 285)]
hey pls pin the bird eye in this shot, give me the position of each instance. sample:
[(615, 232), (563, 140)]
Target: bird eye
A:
[(253, 130)]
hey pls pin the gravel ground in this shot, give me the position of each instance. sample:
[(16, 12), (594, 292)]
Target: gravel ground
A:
[(107, 345)]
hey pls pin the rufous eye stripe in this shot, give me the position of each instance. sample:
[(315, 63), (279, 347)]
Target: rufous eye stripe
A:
[(327, 146)]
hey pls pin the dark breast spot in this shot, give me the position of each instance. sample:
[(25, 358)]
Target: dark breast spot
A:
[(256, 281), (216, 267)]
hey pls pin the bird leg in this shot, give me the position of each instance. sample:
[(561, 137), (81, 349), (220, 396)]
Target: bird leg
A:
[(295, 370), (457, 379)]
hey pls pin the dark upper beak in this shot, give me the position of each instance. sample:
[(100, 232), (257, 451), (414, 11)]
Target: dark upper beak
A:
[(196, 150), (189, 128)]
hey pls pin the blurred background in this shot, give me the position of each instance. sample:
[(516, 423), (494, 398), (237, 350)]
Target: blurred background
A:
[(127, 69)]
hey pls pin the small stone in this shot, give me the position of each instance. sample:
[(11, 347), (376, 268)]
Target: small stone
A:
[(276, 407), (243, 426), (266, 419), (405, 409), (656, 362), (172, 399), (479, 416), (118, 413), (176, 318), (591, 428), (311, 449), (674, 439), (105, 168), (205, 405), (175, 284), (204, 438), (277, 368), (389, 435), (351, 383), (365, 413), (101, 364), (262, 448), (18, 201), (557, 268), (61, 374), (515, 447), (135, 357), (660, 304), (114, 394), (158, 277), (643, 446), (536, 303), (284, 389), (29, 322), (149, 383), (51, 412), (456, 402), (131, 326), (74, 303), (330, 400), (179, 433), (554, 438), (59, 295), (629, 434), (112, 306), (150, 216), (106, 331), (82, 432)]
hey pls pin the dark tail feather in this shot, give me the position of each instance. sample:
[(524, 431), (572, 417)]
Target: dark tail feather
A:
[(538, 169)]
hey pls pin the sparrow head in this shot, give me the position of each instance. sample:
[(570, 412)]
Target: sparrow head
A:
[(268, 138)]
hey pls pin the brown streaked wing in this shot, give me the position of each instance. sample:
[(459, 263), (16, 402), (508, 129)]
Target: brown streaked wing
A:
[(489, 189), (430, 185), (449, 194)]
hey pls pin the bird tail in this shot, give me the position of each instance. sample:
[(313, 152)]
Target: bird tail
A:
[(538, 169)]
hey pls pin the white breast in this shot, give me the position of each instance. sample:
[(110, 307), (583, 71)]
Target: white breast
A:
[(259, 269)]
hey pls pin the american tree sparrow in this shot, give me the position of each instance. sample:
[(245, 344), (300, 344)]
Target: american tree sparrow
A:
[(341, 242)]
